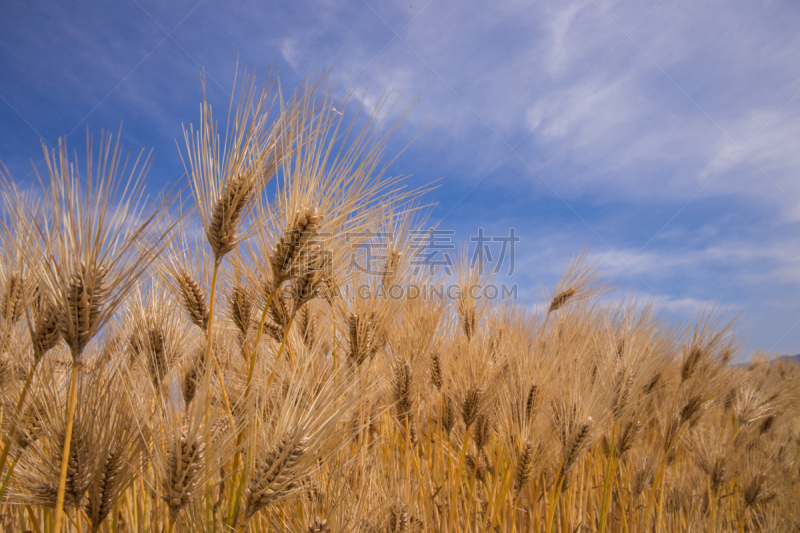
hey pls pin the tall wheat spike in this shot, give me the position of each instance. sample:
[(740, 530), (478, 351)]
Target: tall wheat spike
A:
[(93, 255)]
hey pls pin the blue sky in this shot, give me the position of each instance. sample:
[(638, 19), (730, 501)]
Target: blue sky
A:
[(665, 135)]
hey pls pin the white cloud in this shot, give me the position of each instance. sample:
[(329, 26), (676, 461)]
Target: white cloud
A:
[(561, 50), (290, 52)]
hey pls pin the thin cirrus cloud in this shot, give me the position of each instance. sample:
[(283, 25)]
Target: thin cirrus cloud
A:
[(663, 134)]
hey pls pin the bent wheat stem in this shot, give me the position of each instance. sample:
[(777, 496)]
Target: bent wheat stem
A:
[(34, 522), (259, 332), (280, 351), (210, 351), (10, 437), (608, 482), (554, 500), (62, 480), (8, 477), (233, 502)]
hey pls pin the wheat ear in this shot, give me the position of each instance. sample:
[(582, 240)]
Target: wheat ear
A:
[(274, 475)]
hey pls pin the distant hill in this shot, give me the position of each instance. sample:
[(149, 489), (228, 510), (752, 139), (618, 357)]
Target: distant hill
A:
[(793, 358)]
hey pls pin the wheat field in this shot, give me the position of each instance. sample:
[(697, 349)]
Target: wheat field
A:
[(253, 376)]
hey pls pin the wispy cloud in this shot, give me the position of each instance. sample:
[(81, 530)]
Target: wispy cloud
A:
[(663, 133)]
